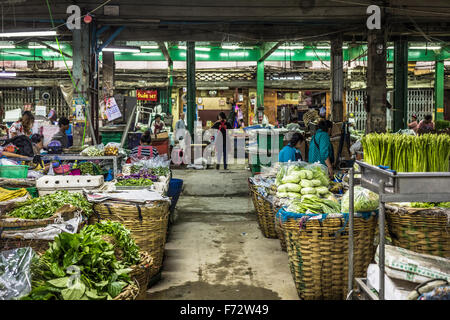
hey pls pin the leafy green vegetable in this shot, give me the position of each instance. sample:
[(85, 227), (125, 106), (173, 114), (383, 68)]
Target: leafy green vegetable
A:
[(135, 182), (293, 177), (313, 204), (129, 254), (46, 206), (306, 183), (289, 187), (78, 266), (364, 200), (322, 190)]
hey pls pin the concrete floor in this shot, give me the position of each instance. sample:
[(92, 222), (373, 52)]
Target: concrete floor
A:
[(216, 251)]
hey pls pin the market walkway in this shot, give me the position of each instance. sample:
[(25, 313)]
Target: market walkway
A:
[(215, 249)]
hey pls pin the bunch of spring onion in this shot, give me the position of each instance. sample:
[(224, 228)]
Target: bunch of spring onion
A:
[(406, 153)]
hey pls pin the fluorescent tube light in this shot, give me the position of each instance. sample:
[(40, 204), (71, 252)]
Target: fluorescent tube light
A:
[(28, 34), (230, 47), (7, 46), (121, 49), (4, 74), (149, 47), (291, 47), (425, 48), (36, 47), (203, 49)]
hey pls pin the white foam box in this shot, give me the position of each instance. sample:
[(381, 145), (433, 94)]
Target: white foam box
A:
[(69, 182)]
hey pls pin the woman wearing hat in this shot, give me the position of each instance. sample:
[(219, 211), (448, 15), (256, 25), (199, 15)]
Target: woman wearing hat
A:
[(414, 125)]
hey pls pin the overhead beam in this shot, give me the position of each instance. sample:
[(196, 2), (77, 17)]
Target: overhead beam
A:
[(267, 49), (165, 50), (111, 38)]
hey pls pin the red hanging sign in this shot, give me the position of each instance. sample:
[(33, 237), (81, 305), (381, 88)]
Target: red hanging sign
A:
[(147, 95)]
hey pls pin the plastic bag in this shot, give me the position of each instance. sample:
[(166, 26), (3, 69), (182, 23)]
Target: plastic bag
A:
[(287, 169), (112, 149), (94, 151), (364, 200), (15, 274)]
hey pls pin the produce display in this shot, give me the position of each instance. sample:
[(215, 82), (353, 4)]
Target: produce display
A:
[(294, 181), (46, 206), (111, 150), (314, 204), (130, 182), (405, 153), (89, 168), (80, 266), (124, 245), (6, 194), (430, 204), (364, 200), (93, 151)]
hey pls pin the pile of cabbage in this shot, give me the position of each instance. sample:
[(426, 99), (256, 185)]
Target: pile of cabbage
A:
[(300, 179)]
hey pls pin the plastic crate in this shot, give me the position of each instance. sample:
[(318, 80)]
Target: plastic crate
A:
[(108, 137), (14, 172), (69, 182)]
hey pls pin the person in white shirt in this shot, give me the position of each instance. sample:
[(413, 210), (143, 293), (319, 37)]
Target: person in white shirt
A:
[(180, 126)]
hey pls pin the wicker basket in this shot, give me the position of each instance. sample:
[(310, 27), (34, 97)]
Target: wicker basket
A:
[(266, 217), (140, 273), (279, 228), (130, 292), (420, 230), (147, 224), (318, 253), (252, 190)]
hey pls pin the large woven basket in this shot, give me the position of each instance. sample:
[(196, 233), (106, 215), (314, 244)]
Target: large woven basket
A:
[(252, 190), (266, 217), (279, 228), (140, 273), (420, 230), (130, 292), (318, 253), (147, 224)]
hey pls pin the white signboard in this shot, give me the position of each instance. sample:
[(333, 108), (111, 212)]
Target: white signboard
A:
[(112, 109)]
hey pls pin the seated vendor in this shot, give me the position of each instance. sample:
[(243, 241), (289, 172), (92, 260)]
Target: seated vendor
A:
[(157, 125), (144, 150), (61, 136), (291, 152)]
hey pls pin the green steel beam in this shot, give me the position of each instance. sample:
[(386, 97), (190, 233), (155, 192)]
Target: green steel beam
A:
[(267, 49), (439, 89), (169, 89), (400, 84), (191, 103), (260, 85)]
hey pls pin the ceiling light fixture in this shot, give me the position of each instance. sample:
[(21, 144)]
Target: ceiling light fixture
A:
[(28, 34), (5, 74), (149, 47), (122, 49)]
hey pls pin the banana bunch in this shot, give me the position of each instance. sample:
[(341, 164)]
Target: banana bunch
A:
[(6, 194)]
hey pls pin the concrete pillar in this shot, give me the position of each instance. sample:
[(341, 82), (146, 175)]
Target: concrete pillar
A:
[(191, 88), (81, 72), (376, 82), (80, 68), (337, 79), (400, 84), (108, 71), (439, 90)]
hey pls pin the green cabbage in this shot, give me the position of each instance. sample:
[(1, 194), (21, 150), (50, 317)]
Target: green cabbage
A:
[(292, 177), (309, 174), (308, 191), (306, 183), (294, 195), (289, 187), (321, 190), (365, 200), (282, 195), (316, 183)]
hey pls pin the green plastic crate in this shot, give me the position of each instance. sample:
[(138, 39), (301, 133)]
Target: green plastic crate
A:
[(14, 172), (108, 137)]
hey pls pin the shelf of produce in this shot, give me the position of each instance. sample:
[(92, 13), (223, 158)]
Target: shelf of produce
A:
[(394, 187), (74, 157)]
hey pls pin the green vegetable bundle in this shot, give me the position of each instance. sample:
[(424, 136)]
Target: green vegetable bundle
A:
[(406, 153), (364, 200), (142, 182), (80, 266), (89, 168), (128, 251), (46, 206), (313, 204)]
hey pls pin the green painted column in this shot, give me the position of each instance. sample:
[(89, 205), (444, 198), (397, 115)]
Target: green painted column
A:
[(169, 89), (260, 85), (400, 84), (439, 90), (190, 66)]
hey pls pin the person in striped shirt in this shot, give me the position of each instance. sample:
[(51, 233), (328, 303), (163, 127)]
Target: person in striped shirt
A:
[(144, 150), (320, 148)]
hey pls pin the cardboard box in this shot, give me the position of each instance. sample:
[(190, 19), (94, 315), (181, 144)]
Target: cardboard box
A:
[(163, 135)]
